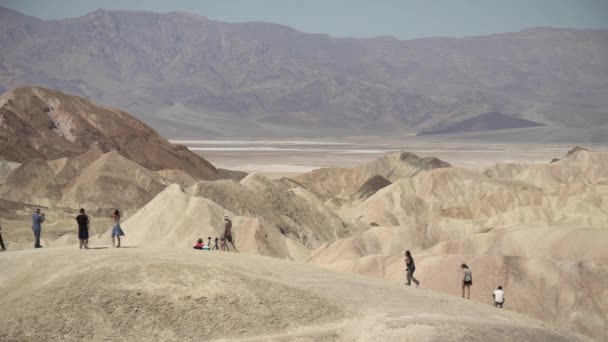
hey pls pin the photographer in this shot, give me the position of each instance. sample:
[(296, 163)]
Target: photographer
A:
[(37, 220)]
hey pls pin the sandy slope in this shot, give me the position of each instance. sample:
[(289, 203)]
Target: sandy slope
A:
[(156, 294)]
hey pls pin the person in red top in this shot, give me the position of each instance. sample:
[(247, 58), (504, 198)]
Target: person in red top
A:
[(199, 244)]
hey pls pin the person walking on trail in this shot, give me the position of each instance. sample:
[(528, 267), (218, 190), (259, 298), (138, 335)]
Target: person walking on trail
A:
[(410, 267), (116, 230), (1, 241), (499, 297), (37, 220), (227, 234), (83, 229), (467, 281)]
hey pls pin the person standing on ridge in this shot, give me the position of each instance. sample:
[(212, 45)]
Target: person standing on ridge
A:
[(228, 233), (37, 220), (410, 267), (83, 229), (499, 297), (467, 281), (1, 241)]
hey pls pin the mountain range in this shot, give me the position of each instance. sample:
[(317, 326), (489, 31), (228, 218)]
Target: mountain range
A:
[(189, 76)]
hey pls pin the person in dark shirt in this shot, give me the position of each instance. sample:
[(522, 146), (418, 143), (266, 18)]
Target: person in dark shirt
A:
[(83, 229), (410, 267)]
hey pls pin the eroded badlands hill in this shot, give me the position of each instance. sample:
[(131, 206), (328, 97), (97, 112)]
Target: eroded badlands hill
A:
[(538, 230), (40, 123)]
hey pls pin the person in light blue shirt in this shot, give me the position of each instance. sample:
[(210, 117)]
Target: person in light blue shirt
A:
[(37, 220)]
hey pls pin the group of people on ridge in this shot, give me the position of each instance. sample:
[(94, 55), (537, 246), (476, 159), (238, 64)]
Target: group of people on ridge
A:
[(84, 224), (467, 280), (225, 239)]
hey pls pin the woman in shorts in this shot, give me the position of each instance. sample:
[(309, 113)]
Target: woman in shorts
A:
[(116, 230)]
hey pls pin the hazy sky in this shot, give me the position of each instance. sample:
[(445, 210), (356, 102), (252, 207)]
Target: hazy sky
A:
[(359, 18)]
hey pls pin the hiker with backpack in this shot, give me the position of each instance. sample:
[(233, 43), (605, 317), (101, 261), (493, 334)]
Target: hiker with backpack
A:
[(467, 281)]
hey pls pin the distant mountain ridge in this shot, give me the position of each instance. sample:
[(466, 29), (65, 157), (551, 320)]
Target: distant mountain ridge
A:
[(187, 75)]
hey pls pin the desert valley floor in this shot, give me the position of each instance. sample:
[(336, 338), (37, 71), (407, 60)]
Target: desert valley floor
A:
[(295, 156)]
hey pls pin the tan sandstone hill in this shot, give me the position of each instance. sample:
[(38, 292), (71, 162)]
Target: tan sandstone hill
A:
[(268, 219), (40, 123), (579, 166), (342, 182)]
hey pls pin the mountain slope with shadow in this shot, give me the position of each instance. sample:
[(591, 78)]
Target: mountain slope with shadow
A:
[(485, 122)]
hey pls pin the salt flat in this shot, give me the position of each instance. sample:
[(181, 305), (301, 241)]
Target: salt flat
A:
[(290, 157)]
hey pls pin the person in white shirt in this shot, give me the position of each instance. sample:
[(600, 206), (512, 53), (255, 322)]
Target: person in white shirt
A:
[(499, 297), (467, 281)]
